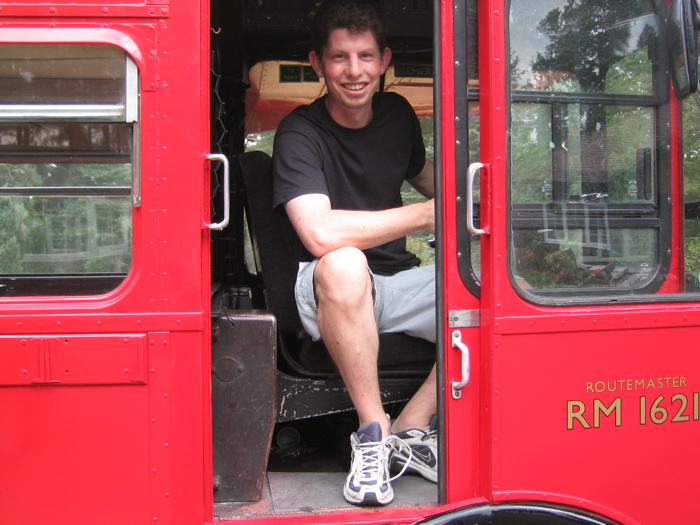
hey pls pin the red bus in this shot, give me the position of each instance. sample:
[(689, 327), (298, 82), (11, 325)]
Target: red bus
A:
[(150, 368)]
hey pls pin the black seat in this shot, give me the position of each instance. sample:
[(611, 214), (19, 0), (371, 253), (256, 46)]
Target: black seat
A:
[(308, 383)]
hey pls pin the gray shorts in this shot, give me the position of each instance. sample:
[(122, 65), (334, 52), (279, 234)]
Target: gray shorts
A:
[(404, 302)]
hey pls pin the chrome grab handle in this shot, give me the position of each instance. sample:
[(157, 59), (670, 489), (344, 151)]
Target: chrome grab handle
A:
[(227, 205), (457, 343), (471, 173)]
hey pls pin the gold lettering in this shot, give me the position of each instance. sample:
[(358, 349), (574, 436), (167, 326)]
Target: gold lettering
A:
[(679, 417), (576, 414), (600, 386), (651, 384), (599, 406), (639, 383), (682, 381), (696, 407), (589, 387), (642, 410), (658, 413)]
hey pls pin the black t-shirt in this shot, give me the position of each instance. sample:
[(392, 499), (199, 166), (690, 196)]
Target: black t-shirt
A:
[(358, 169)]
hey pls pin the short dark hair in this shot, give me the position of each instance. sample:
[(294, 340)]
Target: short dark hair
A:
[(356, 16)]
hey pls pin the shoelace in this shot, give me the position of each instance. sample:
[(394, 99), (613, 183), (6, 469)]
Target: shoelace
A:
[(429, 435), (401, 444), (370, 458)]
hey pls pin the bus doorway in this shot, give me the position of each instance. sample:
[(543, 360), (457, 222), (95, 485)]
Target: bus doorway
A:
[(260, 72)]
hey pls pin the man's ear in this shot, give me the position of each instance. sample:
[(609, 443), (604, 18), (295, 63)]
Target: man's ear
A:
[(316, 63), (386, 58)]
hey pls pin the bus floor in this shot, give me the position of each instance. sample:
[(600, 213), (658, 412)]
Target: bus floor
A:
[(298, 492), (307, 467)]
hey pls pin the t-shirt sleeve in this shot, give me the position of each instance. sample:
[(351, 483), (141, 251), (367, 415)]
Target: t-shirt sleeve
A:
[(297, 167)]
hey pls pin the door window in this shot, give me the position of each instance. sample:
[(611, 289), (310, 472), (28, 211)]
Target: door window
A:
[(590, 166), (68, 128)]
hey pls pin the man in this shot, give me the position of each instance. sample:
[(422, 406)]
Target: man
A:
[(338, 165)]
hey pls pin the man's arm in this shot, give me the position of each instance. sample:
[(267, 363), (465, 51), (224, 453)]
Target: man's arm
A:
[(322, 229), (424, 182)]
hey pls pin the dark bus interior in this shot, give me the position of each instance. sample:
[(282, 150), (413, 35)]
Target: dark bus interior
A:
[(282, 418)]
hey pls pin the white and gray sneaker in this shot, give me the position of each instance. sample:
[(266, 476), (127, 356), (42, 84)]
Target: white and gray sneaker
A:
[(368, 482), (423, 444)]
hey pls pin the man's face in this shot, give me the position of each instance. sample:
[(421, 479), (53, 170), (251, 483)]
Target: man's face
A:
[(351, 66)]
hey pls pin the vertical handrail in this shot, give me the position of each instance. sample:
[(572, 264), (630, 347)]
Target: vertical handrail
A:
[(471, 173), (227, 204)]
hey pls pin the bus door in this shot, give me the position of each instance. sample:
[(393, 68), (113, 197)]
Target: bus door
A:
[(586, 369), (104, 273)]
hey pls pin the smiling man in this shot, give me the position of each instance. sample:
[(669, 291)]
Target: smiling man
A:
[(339, 164)]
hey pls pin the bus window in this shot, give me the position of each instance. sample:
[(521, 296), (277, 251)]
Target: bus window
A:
[(588, 195), (691, 191), (68, 118)]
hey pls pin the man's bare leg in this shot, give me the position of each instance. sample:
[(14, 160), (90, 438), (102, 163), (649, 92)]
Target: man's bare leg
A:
[(346, 321), (420, 409)]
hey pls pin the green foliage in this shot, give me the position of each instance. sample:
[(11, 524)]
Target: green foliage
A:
[(59, 234)]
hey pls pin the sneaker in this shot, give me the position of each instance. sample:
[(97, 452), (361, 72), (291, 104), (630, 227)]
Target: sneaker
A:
[(423, 445), (368, 482)]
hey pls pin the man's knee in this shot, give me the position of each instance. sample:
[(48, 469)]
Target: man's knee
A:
[(343, 273)]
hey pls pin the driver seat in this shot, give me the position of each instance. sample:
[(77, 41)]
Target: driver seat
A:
[(308, 384)]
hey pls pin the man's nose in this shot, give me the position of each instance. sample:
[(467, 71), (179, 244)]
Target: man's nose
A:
[(354, 67)]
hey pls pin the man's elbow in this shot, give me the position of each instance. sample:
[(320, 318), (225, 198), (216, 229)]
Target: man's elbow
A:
[(318, 243)]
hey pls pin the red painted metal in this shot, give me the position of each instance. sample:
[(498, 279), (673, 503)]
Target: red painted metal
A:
[(588, 405), (104, 449), (581, 406)]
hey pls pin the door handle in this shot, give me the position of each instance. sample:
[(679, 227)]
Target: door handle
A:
[(457, 343), (227, 205), (471, 173)]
